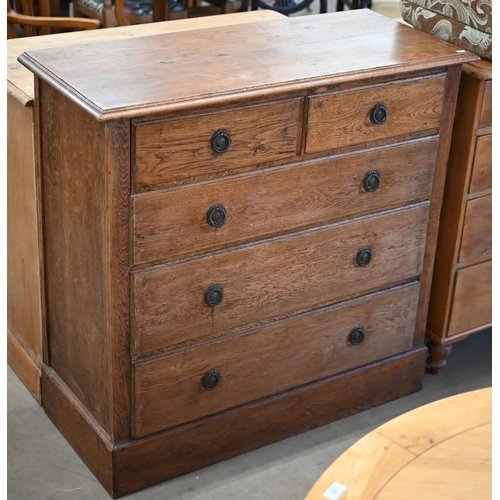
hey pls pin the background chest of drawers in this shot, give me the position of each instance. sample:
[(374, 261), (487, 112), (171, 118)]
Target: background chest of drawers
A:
[(461, 290), (238, 238)]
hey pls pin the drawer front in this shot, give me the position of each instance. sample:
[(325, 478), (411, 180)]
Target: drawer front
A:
[(345, 119), (471, 308), (476, 234), (178, 303), (191, 147), (176, 388), (208, 217), (486, 116), (481, 169)]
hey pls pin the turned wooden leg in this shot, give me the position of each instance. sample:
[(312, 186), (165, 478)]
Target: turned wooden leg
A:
[(437, 356)]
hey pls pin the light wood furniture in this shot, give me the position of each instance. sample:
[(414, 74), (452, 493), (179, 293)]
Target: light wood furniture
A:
[(238, 233), (24, 317), (34, 25), (438, 451), (461, 301)]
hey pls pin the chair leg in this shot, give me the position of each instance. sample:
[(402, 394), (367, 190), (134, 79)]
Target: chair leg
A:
[(323, 6), (340, 5)]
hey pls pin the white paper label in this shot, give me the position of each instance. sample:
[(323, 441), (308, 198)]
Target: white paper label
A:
[(334, 491)]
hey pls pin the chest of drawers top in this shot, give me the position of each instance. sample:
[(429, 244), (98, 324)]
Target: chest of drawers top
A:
[(142, 76)]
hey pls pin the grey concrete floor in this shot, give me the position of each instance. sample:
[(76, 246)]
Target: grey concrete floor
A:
[(42, 466)]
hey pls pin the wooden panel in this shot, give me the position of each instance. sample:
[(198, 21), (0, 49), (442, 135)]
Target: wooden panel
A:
[(472, 299), (237, 62), (24, 367), (174, 223), (343, 119), (168, 151), (147, 461), (24, 320), (22, 78), (481, 174), (169, 306), (476, 236), (75, 235), (268, 361), (485, 119), (78, 427)]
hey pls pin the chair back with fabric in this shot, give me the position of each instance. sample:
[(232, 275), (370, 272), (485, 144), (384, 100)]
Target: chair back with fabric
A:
[(42, 24)]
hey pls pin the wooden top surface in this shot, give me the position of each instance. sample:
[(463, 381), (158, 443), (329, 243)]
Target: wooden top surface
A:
[(20, 79), (127, 78), (440, 450)]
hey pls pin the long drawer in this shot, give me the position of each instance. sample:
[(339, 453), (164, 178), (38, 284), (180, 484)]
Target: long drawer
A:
[(362, 116), (196, 382), (171, 150), (172, 224), (206, 297)]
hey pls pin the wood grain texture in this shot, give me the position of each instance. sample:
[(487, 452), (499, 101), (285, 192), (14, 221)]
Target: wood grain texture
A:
[(458, 178), (24, 367), (486, 116), (472, 300), (173, 150), (147, 461), (173, 224), (436, 199), (440, 450), (481, 179), (169, 306), (269, 57), (21, 78), (75, 250), (24, 317), (477, 226), (117, 164), (343, 119), (78, 426), (271, 360)]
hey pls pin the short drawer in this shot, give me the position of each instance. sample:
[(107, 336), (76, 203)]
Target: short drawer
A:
[(471, 306), (486, 116), (476, 234), (197, 382), (209, 144), (206, 297), (376, 113), (481, 179), (171, 224)]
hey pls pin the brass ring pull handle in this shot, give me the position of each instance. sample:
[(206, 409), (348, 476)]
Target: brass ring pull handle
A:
[(210, 380), (220, 141), (379, 114), (216, 215), (371, 182), (364, 256), (356, 336), (213, 295)]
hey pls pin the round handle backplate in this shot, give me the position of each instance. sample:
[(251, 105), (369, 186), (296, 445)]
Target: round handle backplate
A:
[(213, 295), (210, 380), (216, 215), (379, 114), (364, 256), (371, 182), (220, 141), (356, 336)]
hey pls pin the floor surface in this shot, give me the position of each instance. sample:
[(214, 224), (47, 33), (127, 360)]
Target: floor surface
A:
[(42, 465)]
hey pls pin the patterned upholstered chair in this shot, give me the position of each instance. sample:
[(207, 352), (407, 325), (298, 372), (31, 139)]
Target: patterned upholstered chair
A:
[(122, 12), (466, 23)]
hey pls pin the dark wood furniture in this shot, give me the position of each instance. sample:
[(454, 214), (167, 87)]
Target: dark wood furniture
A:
[(238, 239), (461, 290)]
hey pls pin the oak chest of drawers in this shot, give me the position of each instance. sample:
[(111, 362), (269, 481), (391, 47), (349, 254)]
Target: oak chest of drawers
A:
[(461, 301), (238, 231)]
